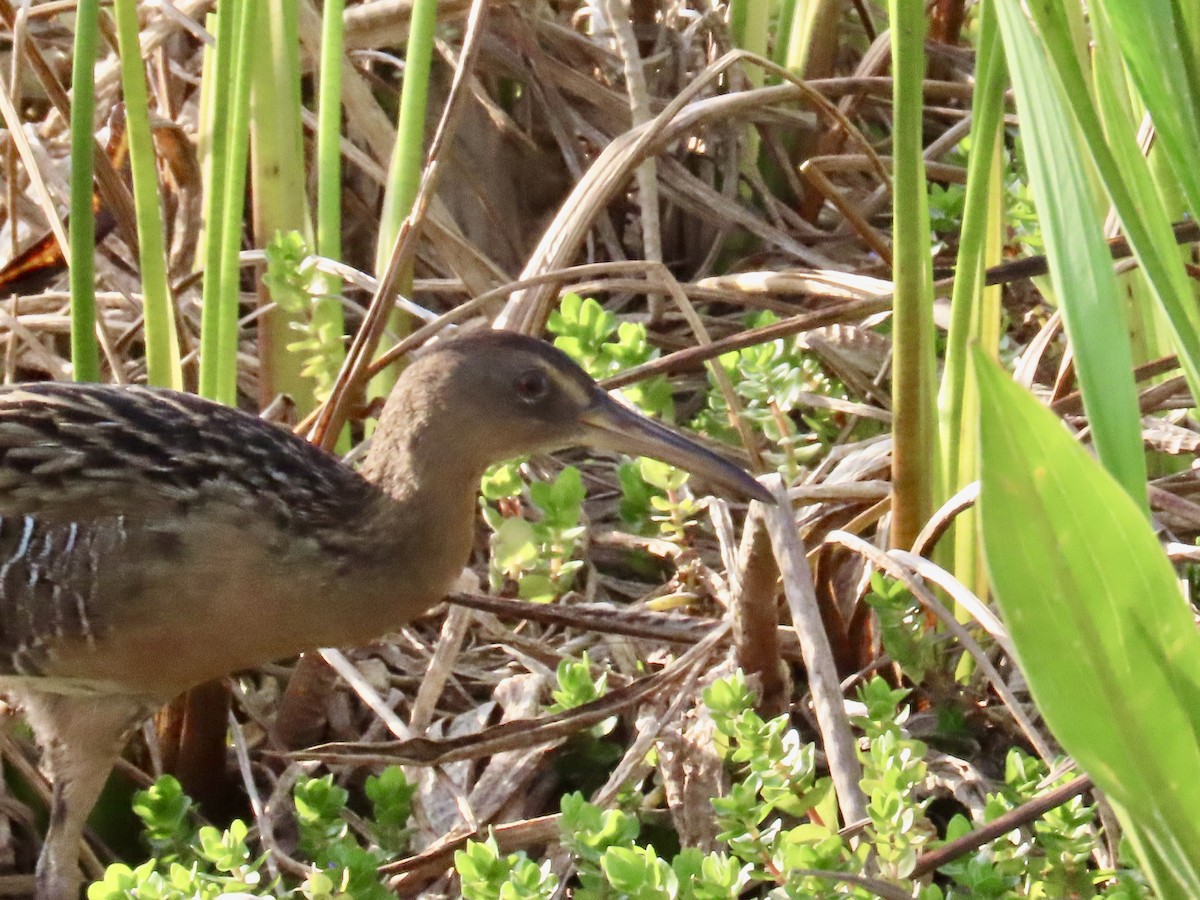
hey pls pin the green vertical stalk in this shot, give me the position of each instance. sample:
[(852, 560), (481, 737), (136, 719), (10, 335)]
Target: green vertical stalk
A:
[(915, 450), (749, 26), (328, 321), (785, 27), (329, 132), (162, 341), (974, 249), (85, 351), (975, 309), (215, 101), (232, 206), (235, 196), (404, 174), (748, 22), (794, 43), (278, 195)]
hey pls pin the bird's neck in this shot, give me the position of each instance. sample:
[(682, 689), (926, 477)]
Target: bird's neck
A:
[(420, 534), (419, 456), (421, 448)]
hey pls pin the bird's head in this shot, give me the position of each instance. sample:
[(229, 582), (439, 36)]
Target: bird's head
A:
[(494, 395)]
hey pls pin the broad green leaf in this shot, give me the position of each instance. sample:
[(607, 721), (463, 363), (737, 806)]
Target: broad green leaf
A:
[(515, 544), (1102, 632)]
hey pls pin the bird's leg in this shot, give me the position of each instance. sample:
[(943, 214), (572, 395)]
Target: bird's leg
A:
[(81, 737)]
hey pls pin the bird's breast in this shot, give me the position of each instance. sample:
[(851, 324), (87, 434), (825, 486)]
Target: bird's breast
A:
[(154, 607)]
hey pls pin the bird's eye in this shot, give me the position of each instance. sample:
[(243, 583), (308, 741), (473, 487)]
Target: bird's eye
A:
[(532, 386)]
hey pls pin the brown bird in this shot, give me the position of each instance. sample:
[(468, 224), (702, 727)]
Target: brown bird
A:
[(152, 540)]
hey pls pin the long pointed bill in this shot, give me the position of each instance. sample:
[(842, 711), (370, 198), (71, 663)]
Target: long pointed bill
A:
[(610, 426)]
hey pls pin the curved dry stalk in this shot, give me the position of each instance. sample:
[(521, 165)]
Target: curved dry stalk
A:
[(610, 172), (639, 107), (940, 522), (824, 684), (694, 357)]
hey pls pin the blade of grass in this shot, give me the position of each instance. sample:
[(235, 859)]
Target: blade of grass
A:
[(1080, 265), (1123, 113), (404, 174), (85, 349), (749, 27), (329, 132), (975, 309), (162, 340), (1112, 145), (1162, 54), (798, 24), (233, 205), (215, 104), (328, 321)]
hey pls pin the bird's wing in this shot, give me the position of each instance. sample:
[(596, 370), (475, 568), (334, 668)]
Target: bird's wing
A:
[(79, 453), (110, 493)]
